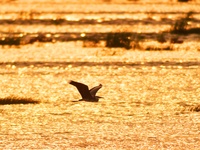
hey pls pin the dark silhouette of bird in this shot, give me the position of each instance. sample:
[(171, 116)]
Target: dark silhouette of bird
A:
[(86, 94)]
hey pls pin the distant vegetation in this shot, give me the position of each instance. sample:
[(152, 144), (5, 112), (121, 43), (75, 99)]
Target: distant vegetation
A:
[(189, 107), (17, 100), (181, 26), (183, 0), (121, 39)]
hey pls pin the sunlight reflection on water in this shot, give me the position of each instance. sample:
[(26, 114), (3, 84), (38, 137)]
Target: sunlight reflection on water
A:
[(144, 98), (150, 98)]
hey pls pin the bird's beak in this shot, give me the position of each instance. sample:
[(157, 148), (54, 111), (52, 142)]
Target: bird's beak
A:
[(99, 97)]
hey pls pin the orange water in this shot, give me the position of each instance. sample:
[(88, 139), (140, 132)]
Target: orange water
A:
[(148, 95)]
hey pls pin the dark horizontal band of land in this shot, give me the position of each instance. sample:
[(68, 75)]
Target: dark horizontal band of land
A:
[(20, 38), (61, 21), (65, 36), (195, 64)]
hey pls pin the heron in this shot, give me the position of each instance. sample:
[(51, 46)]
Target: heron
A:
[(86, 94)]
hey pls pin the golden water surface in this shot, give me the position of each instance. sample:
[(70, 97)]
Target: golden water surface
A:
[(150, 98), (146, 104)]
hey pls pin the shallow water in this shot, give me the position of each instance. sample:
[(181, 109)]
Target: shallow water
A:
[(146, 104), (150, 98)]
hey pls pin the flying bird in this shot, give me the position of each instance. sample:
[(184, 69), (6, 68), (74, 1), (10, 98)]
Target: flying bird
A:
[(86, 94)]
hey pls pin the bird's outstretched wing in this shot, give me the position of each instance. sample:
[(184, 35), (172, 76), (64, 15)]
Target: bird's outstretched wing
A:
[(95, 89), (82, 88)]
